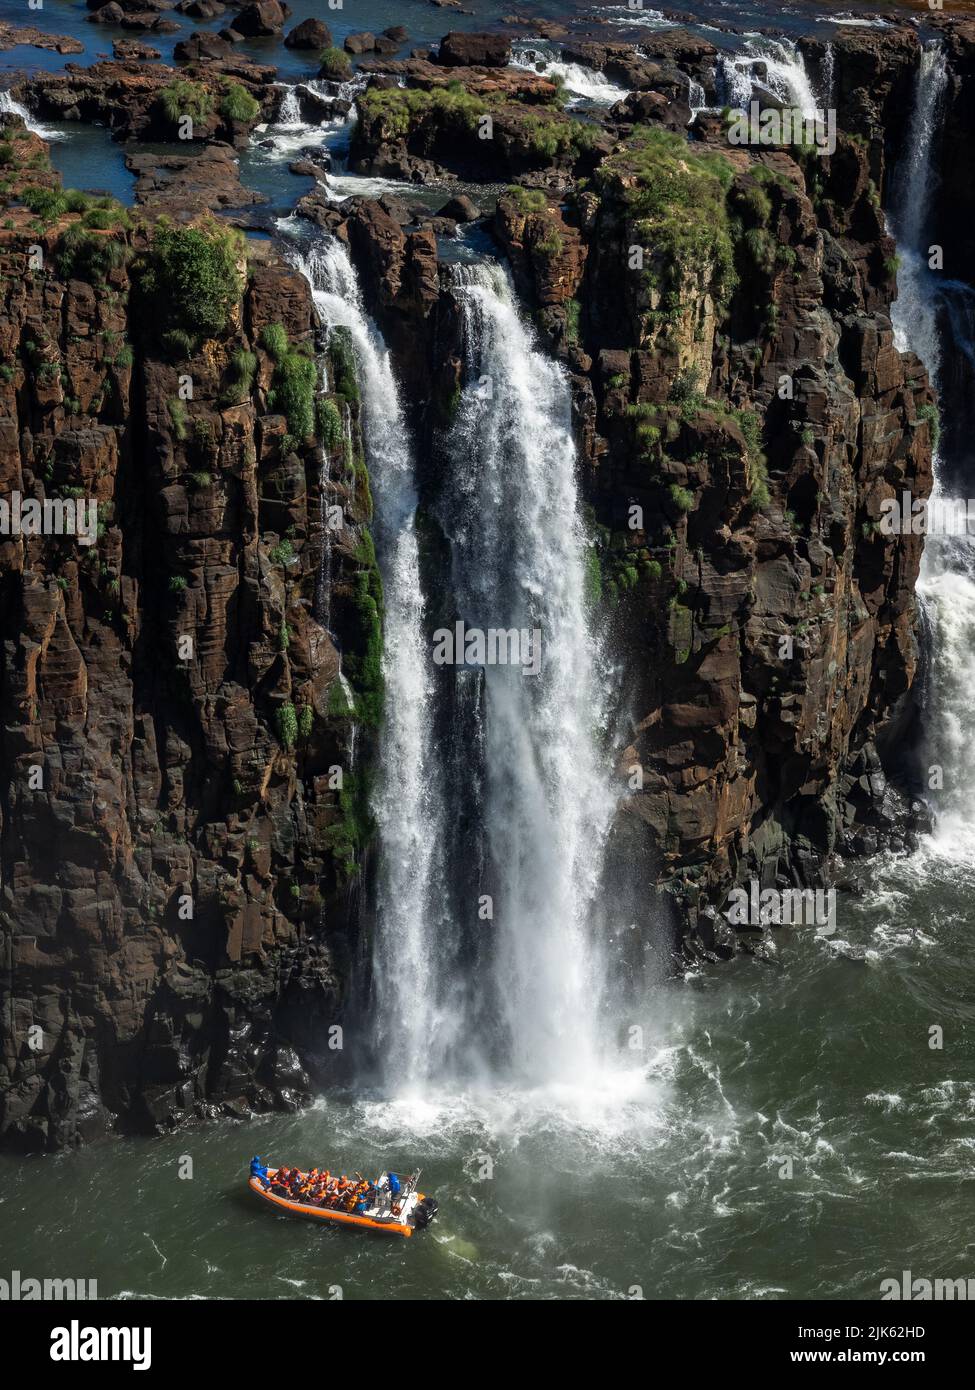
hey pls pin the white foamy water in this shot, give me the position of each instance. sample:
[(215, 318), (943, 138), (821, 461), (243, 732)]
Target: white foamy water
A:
[(289, 111), (784, 74), (925, 304), (409, 905), (585, 84), (16, 108), (519, 561), (624, 15)]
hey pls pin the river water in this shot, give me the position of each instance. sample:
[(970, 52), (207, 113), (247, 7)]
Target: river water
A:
[(777, 1127)]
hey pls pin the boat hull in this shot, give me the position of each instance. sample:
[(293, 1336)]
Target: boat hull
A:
[(341, 1218)]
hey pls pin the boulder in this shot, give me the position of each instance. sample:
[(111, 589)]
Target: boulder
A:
[(201, 9), (311, 34), (360, 43), (475, 50), (261, 19), (460, 209), (131, 51), (202, 48)]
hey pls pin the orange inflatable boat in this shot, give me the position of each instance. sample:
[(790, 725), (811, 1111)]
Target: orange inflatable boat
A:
[(388, 1205)]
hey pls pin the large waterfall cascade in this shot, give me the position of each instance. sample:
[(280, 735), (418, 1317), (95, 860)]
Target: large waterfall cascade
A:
[(518, 547), (928, 316), (539, 822)]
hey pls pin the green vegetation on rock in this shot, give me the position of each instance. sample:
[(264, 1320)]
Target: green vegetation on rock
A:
[(237, 104), (191, 280), (677, 202), (293, 385), (183, 98), (334, 64)]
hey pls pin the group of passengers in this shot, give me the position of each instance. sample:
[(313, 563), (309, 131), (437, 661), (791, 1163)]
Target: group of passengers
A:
[(320, 1189)]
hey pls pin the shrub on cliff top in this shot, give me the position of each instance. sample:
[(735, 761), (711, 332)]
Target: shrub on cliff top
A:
[(526, 199), (191, 278), (677, 200), (87, 255), (47, 203), (402, 108)]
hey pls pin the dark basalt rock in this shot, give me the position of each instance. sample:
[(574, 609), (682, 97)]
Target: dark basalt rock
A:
[(311, 34), (360, 43), (131, 51), (474, 50), (202, 48), (460, 209), (261, 19), (201, 9)]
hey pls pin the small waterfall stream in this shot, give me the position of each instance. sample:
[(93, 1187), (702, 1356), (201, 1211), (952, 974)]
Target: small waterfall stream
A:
[(410, 905)]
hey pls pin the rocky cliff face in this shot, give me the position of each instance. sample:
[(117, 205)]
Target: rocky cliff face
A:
[(180, 808), (176, 850), (742, 413)]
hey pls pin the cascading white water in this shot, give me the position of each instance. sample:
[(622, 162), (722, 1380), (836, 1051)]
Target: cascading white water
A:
[(697, 98), (545, 797), (519, 562), (7, 104), (925, 307), (323, 599), (409, 905), (289, 111), (585, 84), (785, 75), (915, 313), (829, 75)]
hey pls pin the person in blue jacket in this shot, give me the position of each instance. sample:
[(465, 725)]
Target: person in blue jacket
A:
[(259, 1171), (394, 1185)]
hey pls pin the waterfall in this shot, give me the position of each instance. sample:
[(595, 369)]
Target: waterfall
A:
[(829, 75), (491, 781), (734, 83), (585, 84), (933, 317), (519, 551), (15, 108), (323, 598), (410, 1027), (697, 98), (289, 111), (785, 74)]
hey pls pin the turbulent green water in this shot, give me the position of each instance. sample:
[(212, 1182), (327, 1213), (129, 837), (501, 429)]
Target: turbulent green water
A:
[(668, 1181)]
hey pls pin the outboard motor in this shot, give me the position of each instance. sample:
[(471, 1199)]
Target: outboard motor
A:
[(424, 1212)]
